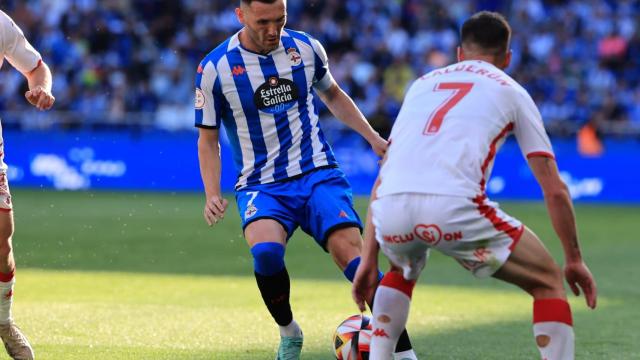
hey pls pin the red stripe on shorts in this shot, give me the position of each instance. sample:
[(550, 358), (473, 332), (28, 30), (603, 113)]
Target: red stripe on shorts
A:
[(552, 310), (396, 281), (6, 277), (491, 214)]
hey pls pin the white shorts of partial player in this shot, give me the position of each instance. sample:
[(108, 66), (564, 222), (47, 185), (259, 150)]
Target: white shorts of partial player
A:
[(475, 231)]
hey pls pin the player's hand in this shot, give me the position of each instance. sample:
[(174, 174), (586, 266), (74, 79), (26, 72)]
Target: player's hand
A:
[(214, 209), (365, 283), (579, 277), (379, 145), (40, 97)]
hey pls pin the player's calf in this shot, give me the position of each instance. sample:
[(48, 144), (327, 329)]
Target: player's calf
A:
[(273, 280), (532, 268)]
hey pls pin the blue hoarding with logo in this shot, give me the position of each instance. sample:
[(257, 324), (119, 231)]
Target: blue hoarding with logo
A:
[(163, 161)]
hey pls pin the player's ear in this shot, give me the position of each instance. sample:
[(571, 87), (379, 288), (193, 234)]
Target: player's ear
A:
[(460, 54), (240, 15), (507, 59)]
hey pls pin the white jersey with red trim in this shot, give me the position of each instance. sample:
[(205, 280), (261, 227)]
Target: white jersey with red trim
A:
[(20, 54), (15, 47), (452, 123)]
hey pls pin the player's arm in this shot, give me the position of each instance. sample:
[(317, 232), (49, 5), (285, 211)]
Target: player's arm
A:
[(22, 56), (340, 104), (560, 207), (210, 171), (343, 108), (207, 119), (536, 147), (366, 278), (40, 82)]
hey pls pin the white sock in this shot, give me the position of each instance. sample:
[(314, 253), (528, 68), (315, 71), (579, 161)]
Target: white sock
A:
[(390, 312), (291, 330), (555, 340), (405, 355), (6, 299), (553, 329)]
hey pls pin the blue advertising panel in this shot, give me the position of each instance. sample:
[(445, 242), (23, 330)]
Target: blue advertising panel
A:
[(164, 161)]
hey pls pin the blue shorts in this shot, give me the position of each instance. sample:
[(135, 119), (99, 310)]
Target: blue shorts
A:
[(320, 202)]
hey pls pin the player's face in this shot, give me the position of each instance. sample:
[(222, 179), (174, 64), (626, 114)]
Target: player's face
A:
[(263, 24)]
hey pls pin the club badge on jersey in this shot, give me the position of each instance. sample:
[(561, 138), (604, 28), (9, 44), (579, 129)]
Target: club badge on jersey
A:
[(294, 57)]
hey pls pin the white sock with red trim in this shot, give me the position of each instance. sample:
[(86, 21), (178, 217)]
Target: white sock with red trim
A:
[(6, 296), (553, 329), (390, 312)]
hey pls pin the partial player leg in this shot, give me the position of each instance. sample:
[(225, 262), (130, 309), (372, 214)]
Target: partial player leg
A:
[(267, 239), (390, 313), (7, 266), (532, 268), (345, 245), (15, 342)]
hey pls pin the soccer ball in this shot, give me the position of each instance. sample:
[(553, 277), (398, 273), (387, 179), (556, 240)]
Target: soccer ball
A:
[(352, 338)]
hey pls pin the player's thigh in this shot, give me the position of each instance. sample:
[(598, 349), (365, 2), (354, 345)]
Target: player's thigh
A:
[(265, 230), (329, 212), (265, 217), (531, 267), (395, 220)]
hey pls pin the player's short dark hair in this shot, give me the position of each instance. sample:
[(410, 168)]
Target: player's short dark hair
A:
[(248, 2), (488, 31)]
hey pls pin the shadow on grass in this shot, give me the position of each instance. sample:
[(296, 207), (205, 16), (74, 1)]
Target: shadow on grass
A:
[(513, 340)]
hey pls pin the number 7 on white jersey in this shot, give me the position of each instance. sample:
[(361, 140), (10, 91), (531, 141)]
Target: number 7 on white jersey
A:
[(460, 90)]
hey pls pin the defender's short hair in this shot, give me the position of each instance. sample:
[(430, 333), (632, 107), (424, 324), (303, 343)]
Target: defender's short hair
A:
[(248, 2), (487, 31)]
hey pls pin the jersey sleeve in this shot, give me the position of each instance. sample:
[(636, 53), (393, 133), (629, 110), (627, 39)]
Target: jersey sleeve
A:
[(322, 78), (529, 129), (17, 50), (208, 97)]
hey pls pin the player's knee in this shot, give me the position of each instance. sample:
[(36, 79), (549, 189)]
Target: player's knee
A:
[(5, 247), (346, 238), (268, 258), (6, 232), (344, 245)]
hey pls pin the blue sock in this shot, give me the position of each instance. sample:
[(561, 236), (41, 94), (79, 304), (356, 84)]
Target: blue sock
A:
[(268, 258), (350, 271), (273, 280)]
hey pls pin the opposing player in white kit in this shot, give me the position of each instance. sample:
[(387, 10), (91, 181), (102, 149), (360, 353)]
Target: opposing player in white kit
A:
[(17, 50), (431, 194)]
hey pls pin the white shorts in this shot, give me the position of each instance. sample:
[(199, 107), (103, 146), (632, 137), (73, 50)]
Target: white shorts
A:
[(475, 232), (5, 195)]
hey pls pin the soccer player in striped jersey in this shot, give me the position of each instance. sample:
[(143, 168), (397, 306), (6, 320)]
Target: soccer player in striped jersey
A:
[(21, 55), (452, 123), (262, 85)]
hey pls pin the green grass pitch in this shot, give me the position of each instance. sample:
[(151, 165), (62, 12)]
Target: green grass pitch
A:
[(140, 276)]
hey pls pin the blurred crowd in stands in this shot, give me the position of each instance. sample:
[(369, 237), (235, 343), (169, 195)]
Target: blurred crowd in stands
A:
[(132, 63)]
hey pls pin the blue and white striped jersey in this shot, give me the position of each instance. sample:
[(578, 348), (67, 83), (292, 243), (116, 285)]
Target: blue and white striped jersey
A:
[(267, 106)]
